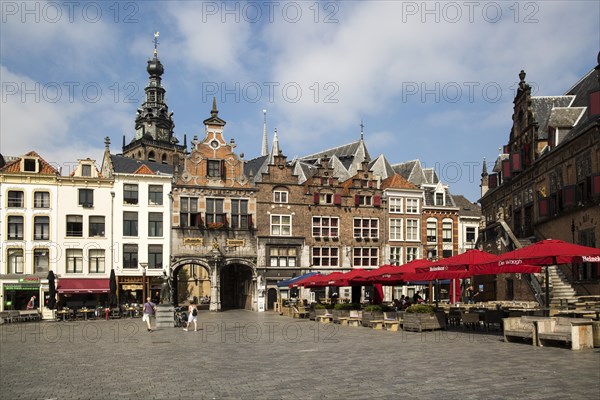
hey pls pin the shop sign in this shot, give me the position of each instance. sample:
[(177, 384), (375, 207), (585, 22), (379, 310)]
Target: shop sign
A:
[(29, 279), (20, 286), (193, 241), (235, 242)]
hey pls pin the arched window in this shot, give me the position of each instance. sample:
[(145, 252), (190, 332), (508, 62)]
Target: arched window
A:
[(431, 230), (164, 159), (151, 156)]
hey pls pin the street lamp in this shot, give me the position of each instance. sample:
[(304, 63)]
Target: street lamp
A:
[(144, 265)]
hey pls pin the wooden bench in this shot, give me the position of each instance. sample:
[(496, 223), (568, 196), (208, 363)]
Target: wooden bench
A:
[(519, 328), (29, 315), (577, 331)]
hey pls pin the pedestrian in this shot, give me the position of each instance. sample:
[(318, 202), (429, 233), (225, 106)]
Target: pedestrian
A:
[(471, 294), (31, 303), (192, 316), (149, 312)]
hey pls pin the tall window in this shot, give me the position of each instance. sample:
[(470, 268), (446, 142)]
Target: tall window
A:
[(412, 253), (280, 196), (325, 256), (75, 225), (86, 197), (214, 168), (325, 198), (41, 228), (130, 223), (281, 225), (15, 227), (412, 230), (366, 228), (239, 214), (431, 231), (412, 206), (15, 198), (74, 260), (130, 256), (96, 259), (155, 256), (155, 224), (439, 198), (86, 170), (447, 231), (188, 216), (366, 257), (41, 260), (396, 255), (282, 256), (470, 234), (130, 193), (395, 204), (155, 194), (41, 200), (214, 211), (395, 229), (97, 226), (325, 226), (15, 261)]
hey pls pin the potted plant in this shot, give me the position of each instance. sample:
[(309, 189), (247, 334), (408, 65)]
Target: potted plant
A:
[(419, 317), (372, 312), (342, 310)]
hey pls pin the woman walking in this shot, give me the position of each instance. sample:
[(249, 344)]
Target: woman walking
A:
[(192, 316)]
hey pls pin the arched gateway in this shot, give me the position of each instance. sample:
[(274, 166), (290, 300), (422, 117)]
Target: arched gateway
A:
[(227, 283)]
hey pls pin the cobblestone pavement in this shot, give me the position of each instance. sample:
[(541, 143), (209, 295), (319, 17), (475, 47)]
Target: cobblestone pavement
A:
[(242, 354)]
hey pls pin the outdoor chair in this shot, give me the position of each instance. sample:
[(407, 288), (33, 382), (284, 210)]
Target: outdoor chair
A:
[(470, 319)]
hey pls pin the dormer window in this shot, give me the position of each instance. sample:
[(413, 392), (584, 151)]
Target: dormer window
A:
[(29, 165), (86, 170), (439, 198)]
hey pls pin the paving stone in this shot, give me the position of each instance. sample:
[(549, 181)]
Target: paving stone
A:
[(247, 355)]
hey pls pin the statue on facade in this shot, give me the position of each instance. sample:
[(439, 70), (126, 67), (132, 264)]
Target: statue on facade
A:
[(165, 290)]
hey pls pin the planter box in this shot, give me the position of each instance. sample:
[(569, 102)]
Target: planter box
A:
[(368, 316), (596, 333), (421, 322), (337, 314)]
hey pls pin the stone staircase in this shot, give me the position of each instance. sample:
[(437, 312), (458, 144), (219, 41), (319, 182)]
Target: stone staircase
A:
[(560, 288), (165, 316)]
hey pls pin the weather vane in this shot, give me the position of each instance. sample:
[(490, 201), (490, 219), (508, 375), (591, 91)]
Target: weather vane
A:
[(156, 34)]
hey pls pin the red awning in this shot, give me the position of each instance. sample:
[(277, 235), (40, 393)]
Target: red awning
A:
[(77, 285)]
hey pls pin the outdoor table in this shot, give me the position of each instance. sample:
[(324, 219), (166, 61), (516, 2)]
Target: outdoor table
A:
[(578, 313), (64, 314), (131, 311), (85, 312)]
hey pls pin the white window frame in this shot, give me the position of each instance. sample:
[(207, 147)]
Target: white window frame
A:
[(396, 226), (280, 196), (396, 205), (368, 231), (412, 253), (396, 255), (323, 227), (428, 229), (413, 234), (278, 223), (447, 232), (412, 206), (329, 254), (360, 254)]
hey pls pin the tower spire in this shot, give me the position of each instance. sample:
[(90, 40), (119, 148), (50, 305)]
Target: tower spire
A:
[(265, 142), (156, 34), (275, 150), (362, 127)]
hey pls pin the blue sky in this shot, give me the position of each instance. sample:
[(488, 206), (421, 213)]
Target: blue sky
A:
[(430, 80)]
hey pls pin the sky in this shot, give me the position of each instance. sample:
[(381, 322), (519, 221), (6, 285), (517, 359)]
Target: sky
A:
[(432, 81)]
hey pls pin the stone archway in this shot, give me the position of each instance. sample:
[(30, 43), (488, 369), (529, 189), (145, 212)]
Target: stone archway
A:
[(271, 298), (237, 285), (187, 273)]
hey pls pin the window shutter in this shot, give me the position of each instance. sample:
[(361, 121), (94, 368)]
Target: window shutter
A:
[(199, 219), (506, 169), (543, 207), (249, 220), (569, 195), (356, 200), (515, 159), (330, 181), (223, 169), (370, 184), (596, 185), (377, 201), (595, 103), (316, 197), (337, 199), (492, 181)]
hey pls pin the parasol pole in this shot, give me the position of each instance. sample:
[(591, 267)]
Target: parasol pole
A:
[(547, 312)]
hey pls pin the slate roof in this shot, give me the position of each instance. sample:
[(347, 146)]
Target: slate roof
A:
[(126, 165), (467, 208), (256, 167), (411, 171), (429, 196), (342, 152), (565, 117), (542, 107)]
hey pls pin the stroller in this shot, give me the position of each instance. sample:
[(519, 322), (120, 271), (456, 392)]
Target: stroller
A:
[(181, 317)]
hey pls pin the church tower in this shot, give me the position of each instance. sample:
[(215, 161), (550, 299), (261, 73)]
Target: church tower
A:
[(154, 137)]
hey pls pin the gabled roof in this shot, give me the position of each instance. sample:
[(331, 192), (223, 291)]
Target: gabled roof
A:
[(467, 208), (254, 168), (126, 165), (397, 182), (339, 169), (429, 197), (430, 176), (343, 151), (304, 171), (14, 166), (143, 170), (381, 167), (565, 117), (411, 171)]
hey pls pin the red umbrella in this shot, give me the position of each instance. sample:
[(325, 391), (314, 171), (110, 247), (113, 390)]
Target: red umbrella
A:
[(301, 282), (346, 279), (390, 276), (322, 280), (460, 262), (548, 252)]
